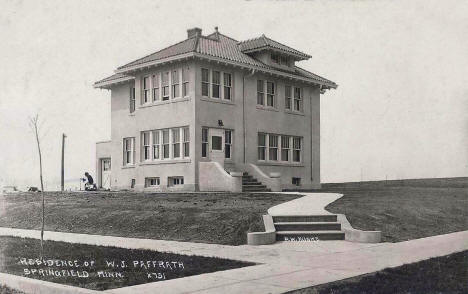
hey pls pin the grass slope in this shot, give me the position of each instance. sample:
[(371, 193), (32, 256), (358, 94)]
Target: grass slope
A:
[(7, 290), (446, 274), (14, 249), (220, 218), (404, 210)]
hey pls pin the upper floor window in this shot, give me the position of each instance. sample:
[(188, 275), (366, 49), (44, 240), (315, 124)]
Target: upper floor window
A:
[(165, 85), (227, 86), (297, 99), (132, 99), (155, 82), (216, 84), (175, 84), (205, 82), (270, 93), (287, 97), (279, 59), (185, 81), (260, 93), (129, 151), (146, 89)]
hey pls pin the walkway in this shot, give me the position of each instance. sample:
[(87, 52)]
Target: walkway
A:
[(282, 267)]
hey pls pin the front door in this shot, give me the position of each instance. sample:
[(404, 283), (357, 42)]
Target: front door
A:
[(216, 139), (105, 173)]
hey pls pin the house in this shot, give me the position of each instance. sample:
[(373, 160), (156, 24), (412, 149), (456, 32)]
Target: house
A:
[(213, 114)]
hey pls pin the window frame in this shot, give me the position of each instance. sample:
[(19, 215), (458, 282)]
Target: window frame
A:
[(227, 88), (185, 81), (176, 143), (295, 149), (129, 152), (297, 99), (186, 142), (146, 146), (263, 147), (155, 86), (285, 146), (288, 97), (205, 83), (148, 182), (145, 88), (204, 142), (175, 84), (165, 88), (132, 100), (272, 94), (228, 144), (271, 147)]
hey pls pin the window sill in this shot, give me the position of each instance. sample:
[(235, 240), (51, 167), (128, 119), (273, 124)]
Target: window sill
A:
[(268, 108), (217, 100), (294, 112), (279, 163), (165, 161), (128, 166), (173, 100)]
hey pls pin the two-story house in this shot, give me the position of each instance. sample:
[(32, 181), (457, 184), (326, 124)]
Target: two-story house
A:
[(213, 113)]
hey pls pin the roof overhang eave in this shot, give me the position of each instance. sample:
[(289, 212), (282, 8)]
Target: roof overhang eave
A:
[(145, 65), (296, 56), (108, 84), (266, 70)]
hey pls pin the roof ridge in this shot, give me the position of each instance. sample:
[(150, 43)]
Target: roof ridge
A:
[(221, 34), (165, 48)]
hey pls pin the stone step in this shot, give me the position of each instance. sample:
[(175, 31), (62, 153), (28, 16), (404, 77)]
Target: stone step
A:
[(255, 189), (251, 183), (305, 218), (309, 235), (308, 226)]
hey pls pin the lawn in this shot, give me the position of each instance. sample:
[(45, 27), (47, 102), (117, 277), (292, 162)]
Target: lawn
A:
[(406, 209), (220, 218), (7, 290), (101, 268), (446, 274)]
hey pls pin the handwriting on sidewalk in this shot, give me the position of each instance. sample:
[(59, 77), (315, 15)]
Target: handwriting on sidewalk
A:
[(82, 269)]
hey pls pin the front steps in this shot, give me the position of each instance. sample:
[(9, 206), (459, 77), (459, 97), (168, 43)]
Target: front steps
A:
[(250, 184), (308, 228)]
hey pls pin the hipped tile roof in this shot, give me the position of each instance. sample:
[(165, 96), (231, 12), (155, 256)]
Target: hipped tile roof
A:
[(221, 47)]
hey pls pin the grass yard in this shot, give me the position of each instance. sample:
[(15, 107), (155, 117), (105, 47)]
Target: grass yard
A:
[(220, 218), (7, 290), (101, 268), (446, 274), (406, 209)]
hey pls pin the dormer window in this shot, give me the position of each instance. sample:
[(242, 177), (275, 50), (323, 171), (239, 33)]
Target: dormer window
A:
[(279, 59)]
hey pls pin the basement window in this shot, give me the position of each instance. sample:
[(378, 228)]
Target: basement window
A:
[(296, 181), (152, 182), (175, 181)]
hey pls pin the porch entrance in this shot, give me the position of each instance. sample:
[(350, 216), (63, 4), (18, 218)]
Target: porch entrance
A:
[(105, 181)]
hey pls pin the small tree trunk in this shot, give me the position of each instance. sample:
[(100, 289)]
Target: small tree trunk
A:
[(34, 122)]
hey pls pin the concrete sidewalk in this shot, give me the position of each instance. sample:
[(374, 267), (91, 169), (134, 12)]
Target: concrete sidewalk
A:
[(311, 204), (283, 266)]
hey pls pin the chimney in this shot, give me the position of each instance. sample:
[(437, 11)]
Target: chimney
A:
[(193, 32)]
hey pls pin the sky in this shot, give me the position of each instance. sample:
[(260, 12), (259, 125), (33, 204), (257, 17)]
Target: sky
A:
[(400, 110)]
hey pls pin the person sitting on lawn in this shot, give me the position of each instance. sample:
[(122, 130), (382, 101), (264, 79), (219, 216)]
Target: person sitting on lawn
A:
[(90, 178), (89, 185)]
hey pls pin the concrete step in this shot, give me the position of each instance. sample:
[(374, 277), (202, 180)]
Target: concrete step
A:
[(309, 235), (305, 218), (250, 183), (308, 226), (255, 189)]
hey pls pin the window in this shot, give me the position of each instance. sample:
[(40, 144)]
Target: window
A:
[(216, 143), (132, 183), (165, 135), (215, 81), (175, 84), (261, 146), (186, 139), (204, 142), (175, 181), (273, 147), (296, 149), (128, 151), (146, 90), (145, 146), (156, 87), (270, 94), (132, 99), (106, 164), (156, 145), (287, 97), (185, 81), (165, 86), (227, 86), (227, 143), (260, 93), (205, 82), (275, 58), (285, 148), (152, 182), (296, 181), (297, 99), (176, 143)]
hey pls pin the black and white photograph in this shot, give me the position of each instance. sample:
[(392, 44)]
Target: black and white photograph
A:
[(244, 146)]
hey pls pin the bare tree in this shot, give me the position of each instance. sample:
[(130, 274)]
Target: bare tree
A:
[(34, 124)]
